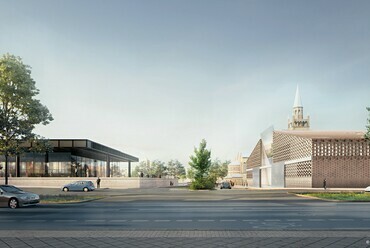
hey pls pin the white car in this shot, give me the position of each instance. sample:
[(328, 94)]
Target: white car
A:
[(367, 189)]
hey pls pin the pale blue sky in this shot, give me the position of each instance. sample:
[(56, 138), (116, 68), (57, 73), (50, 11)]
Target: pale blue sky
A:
[(152, 78)]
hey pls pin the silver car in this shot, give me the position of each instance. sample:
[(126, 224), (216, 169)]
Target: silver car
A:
[(13, 197), (79, 186)]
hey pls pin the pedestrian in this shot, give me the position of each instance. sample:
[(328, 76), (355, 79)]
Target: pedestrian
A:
[(98, 183), (324, 183)]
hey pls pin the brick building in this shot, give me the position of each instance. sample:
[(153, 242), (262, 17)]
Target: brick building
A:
[(299, 157)]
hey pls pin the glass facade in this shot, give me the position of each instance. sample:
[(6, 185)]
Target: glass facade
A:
[(70, 158), (77, 166)]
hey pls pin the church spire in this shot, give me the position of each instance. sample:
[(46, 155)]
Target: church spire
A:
[(298, 121), (297, 99)]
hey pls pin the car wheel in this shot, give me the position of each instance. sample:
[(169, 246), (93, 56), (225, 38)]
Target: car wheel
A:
[(86, 189), (13, 203), (65, 189)]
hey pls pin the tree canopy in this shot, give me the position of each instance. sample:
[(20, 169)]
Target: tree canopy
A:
[(200, 162), (20, 111)]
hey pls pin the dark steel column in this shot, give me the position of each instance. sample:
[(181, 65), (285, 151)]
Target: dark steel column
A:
[(17, 166), (108, 166), (129, 169)]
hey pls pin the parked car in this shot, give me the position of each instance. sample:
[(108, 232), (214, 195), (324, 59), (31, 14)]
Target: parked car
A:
[(367, 189), (13, 197), (79, 186), (225, 185)]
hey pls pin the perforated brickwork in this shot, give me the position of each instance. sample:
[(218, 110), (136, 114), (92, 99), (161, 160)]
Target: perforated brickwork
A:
[(344, 163), (300, 169), (290, 147), (255, 158)]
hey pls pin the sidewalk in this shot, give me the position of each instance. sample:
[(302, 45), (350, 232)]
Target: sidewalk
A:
[(184, 239)]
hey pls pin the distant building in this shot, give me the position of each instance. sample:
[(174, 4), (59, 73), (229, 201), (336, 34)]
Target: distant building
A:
[(236, 170), (299, 157)]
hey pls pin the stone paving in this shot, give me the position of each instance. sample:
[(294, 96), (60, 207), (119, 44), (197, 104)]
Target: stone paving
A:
[(101, 239)]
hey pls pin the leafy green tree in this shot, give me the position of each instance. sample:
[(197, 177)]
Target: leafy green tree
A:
[(190, 173), (176, 169), (201, 163), (367, 134), (219, 169), (19, 110), (159, 167)]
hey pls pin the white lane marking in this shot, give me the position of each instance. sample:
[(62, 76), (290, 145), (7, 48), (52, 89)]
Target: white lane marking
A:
[(139, 220), (341, 220), (65, 220), (184, 220), (36, 221), (161, 220), (118, 221), (271, 220), (249, 220), (94, 220), (206, 220), (315, 219), (294, 220), (227, 220)]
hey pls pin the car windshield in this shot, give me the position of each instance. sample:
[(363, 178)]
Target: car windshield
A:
[(10, 189)]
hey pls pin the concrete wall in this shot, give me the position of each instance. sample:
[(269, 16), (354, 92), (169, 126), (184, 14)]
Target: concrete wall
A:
[(256, 178), (106, 182), (277, 175)]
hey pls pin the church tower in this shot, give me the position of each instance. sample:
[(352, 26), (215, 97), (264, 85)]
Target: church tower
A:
[(298, 122)]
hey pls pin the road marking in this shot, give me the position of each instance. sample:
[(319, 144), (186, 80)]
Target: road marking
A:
[(184, 220), (94, 220), (315, 219), (206, 220), (118, 221), (271, 220), (341, 220), (161, 220), (294, 220), (139, 220), (227, 220), (65, 220), (249, 220)]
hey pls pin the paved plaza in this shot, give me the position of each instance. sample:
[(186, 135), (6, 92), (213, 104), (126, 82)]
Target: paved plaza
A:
[(101, 239)]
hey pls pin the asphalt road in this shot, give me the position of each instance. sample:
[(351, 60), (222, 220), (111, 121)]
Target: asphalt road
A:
[(178, 209)]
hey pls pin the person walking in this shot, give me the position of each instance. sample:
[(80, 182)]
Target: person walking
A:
[(98, 183), (324, 183)]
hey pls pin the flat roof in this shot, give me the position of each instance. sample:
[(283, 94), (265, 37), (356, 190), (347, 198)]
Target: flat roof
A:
[(88, 148), (325, 134)]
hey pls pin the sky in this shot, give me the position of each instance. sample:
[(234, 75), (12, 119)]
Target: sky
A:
[(152, 78)]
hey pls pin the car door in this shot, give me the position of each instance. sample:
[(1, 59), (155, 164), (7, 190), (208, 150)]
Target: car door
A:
[(3, 198)]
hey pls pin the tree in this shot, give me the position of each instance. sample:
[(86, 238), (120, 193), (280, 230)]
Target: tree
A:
[(175, 169), (367, 134), (19, 110), (219, 169), (201, 163), (153, 168)]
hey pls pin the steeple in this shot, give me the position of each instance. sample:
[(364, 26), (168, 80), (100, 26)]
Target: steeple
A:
[(298, 122), (297, 99)]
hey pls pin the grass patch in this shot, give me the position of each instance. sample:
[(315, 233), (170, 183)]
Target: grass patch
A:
[(67, 198), (341, 196)]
